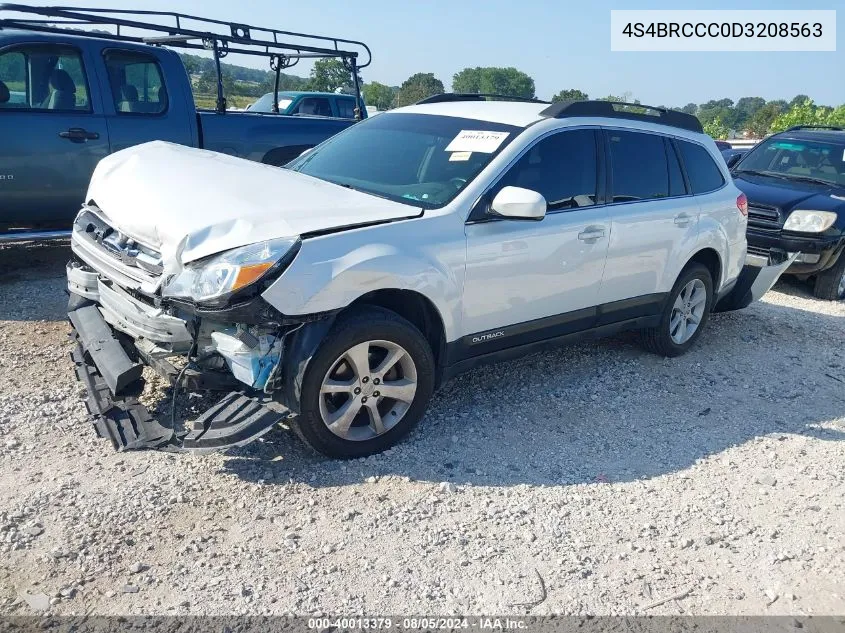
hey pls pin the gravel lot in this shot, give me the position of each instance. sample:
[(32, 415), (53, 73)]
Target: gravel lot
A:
[(591, 479)]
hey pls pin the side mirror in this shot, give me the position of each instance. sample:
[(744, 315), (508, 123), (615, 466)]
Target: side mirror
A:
[(734, 159), (517, 203)]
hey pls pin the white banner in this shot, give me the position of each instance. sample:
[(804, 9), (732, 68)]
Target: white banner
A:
[(723, 30)]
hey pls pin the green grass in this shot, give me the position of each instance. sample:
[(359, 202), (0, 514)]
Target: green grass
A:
[(207, 101)]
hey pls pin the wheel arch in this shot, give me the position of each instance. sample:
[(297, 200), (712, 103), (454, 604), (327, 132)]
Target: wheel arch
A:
[(416, 308), (710, 259)]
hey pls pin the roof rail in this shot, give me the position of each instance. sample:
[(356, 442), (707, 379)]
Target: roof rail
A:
[(284, 48), (623, 110), (446, 97), (835, 128)]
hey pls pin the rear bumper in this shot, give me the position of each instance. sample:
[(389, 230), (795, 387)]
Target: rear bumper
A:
[(757, 277)]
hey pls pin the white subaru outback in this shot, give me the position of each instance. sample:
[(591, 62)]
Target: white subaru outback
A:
[(342, 290)]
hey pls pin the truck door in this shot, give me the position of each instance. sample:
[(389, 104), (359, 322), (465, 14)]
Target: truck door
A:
[(144, 101), (53, 133)]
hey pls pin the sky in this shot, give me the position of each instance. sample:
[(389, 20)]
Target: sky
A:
[(560, 43)]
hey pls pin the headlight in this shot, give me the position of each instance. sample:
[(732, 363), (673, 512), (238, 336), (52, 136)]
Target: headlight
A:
[(809, 221), (219, 276)]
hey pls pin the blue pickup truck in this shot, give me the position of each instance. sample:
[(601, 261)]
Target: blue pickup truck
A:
[(68, 98)]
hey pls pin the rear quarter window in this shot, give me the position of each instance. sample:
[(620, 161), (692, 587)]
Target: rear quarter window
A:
[(702, 171)]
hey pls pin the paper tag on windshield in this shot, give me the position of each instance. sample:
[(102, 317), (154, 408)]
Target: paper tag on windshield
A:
[(456, 156), (477, 141)]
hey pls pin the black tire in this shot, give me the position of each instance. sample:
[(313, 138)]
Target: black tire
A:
[(828, 282), (658, 340), (367, 323)]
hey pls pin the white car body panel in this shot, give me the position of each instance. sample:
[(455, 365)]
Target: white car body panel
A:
[(519, 271), (336, 269), (647, 248), (189, 203)]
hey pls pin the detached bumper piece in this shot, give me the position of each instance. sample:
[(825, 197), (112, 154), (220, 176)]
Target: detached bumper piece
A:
[(121, 419), (755, 280), (113, 382), (234, 421)]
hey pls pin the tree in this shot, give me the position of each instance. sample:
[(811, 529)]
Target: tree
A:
[(808, 113), (417, 87), (761, 122), (690, 108), (798, 100), (328, 75), (494, 80), (570, 95), (379, 95), (746, 108), (716, 128)]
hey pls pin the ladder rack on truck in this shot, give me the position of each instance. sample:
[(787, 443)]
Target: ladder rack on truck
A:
[(180, 30)]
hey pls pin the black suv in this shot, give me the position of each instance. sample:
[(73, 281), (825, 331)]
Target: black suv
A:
[(795, 184)]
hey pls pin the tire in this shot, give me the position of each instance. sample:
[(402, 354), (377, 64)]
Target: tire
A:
[(830, 284), (384, 334), (659, 340)]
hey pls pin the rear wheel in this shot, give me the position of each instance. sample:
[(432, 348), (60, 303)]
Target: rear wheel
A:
[(685, 314), (830, 284), (368, 384)]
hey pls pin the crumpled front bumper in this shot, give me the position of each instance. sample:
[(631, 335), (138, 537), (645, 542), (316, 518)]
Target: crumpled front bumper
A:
[(116, 335)]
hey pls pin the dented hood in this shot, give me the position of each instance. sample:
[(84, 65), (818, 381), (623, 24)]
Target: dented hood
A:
[(189, 203)]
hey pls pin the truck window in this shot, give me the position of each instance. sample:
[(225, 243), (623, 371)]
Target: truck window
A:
[(43, 78), (314, 106), (136, 83), (345, 108)]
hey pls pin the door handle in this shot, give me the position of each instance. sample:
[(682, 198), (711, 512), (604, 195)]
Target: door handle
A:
[(591, 234), (80, 135), (683, 219)]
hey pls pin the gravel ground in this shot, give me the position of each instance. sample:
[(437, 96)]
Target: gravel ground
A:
[(593, 479)]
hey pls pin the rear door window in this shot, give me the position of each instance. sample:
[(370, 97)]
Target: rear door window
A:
[(703, 173), (136, 83), (638, 166), (38, 77)]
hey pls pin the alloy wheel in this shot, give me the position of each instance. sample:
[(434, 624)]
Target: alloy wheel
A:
[(687, 311), (368, 390)]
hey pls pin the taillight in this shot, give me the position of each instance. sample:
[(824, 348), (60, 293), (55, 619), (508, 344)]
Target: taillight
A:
[(742, 204)]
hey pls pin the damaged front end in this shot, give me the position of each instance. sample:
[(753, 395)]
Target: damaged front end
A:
[(129, 309)]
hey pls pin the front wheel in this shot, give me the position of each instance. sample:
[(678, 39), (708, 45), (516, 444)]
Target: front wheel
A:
[(368, 384), (685, 314), (830, 284)]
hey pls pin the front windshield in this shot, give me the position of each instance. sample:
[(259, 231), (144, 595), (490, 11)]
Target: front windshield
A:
[(419, 159), (791, 159)]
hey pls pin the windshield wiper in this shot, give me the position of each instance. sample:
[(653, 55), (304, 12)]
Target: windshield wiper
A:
[(818, 181)]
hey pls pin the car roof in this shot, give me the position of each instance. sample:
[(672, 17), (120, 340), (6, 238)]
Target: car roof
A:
[(811, 134), (20, 36), (308, 93), (518, 113), (525, 113)]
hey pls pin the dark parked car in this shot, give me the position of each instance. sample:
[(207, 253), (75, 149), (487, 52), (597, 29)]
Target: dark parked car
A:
[(795, 184), (69, 97), (733, 154)]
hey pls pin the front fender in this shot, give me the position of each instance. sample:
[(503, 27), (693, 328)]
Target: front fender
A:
[(332, 271)]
